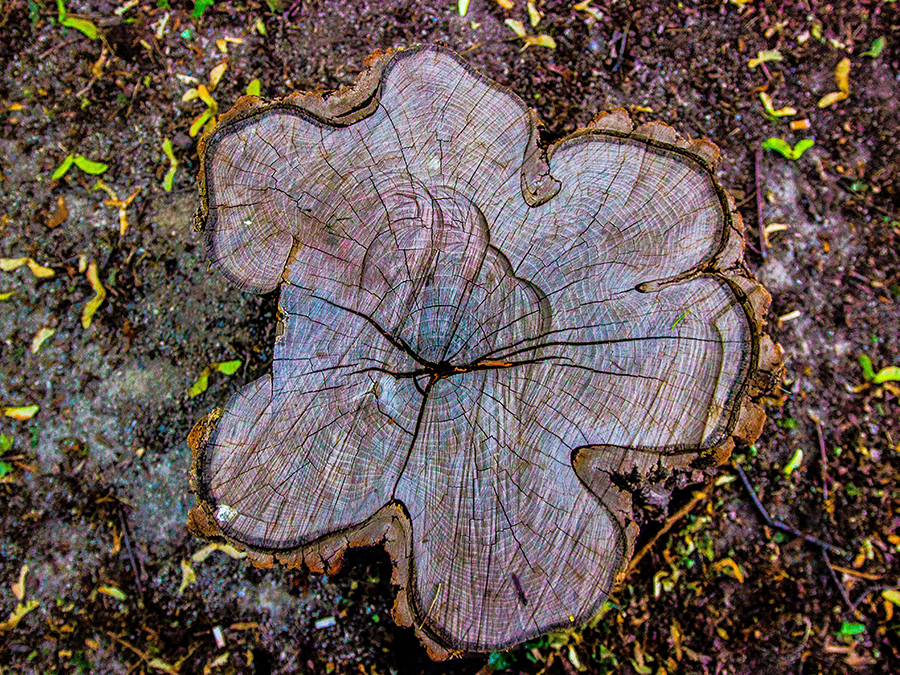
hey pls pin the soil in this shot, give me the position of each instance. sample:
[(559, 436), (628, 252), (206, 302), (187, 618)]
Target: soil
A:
[(94, 491)]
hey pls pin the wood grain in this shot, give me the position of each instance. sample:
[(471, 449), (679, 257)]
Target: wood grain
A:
[(481, 338)]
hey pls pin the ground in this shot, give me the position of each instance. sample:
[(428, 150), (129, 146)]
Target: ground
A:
[(94, 491)]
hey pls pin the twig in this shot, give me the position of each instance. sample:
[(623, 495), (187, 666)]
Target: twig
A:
[(823, 457), (127, 539), (837, 582), (872, 589), (779, 525), (757, 158), (670, 521)]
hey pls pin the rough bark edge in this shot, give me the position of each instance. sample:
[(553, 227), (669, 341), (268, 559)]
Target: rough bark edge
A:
[(390, 526)]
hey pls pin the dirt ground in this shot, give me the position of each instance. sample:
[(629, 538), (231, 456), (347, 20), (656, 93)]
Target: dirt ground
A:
[(94, 491)]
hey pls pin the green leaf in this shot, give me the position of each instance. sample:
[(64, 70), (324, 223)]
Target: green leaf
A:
[(88, 166), (63, 168), (167, 148), (227, 367), (253, 88), (169, 180), (889, 374), (784, 148), (5, 442), (795, 462), (200, 6), (875, 50), (83, 25), (868, 370), (5, 468), (201, 385), (848, 628)]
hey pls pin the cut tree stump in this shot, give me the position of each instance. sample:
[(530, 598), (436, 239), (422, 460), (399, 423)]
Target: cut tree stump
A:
[(485, 342)]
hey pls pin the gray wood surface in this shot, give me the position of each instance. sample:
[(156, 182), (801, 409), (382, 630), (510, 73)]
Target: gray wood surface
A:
[(479, 335)]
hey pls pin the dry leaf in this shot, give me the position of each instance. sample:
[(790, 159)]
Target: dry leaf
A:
[(60, 215), (21, 413), (209, 549), (87, 314), (17, 614), (39, 338), (10, 264), (842, 79), (18, 588), (215, 75), (188, 576)]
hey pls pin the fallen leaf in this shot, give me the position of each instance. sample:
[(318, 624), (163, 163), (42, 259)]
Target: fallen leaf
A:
[(784, 148), (202, 383), (87, 314), (462, 7), (253, 88), (60, 215), (765, 56), (505, 4), (7, 295), (21, 413), (517, 27), (39, 338), (795, 462), (891, 595), (540, 41), (63, 168), (10, 264), (17, 614), (842, 79), (770, 108), (90, 166), (215, 75), (188, 576), (875, 50), (18, 588), (209, 549), (83, 25), (111, 591), (534, 16), (173, 166)]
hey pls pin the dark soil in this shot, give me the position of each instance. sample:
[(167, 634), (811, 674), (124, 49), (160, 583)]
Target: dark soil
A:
[(94, 490)]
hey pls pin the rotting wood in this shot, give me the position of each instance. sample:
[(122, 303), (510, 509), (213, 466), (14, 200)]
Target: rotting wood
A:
[(485, 345)]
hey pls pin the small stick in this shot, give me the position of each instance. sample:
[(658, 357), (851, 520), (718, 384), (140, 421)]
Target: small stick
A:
[(127, 539), (779, 525), (837, 582), (698, 497), (759, 215), (823, 463)]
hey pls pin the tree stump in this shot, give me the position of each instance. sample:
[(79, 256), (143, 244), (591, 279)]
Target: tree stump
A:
[(484, 342)]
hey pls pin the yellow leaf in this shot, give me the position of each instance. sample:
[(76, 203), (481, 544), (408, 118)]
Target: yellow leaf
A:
[(18, 588), (505, 4), (765, 56), (87, 314), (21, 413), (730, 567), (39, 338), (39, 271), (517, 27), (842, 75), (188, 576), (159, 664), (17, 614), (215, 76), (209, 549), (7, 295), (204, 95), (10, 264), (892, 595), (534, 16), (111, 591), (832, 98), (540, 41), (462, 7)]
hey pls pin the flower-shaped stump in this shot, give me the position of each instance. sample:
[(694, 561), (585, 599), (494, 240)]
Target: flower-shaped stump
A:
[(485, 344)]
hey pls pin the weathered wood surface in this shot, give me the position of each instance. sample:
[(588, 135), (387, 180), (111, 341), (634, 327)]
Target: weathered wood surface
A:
[(479, 337)]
